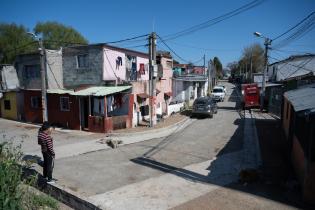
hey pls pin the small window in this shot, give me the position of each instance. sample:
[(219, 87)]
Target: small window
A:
[(35, 102), (31, 71), (64, 104), (82, 61), (7, 105)]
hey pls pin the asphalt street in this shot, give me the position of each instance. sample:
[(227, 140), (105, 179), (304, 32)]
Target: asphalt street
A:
[(101, 171)]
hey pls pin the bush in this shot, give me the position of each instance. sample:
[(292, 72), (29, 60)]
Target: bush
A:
[(15, 192), (10, 177)]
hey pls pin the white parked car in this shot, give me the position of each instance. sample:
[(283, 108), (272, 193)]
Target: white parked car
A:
[(218, 93)]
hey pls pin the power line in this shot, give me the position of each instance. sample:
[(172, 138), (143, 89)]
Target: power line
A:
[(172, 50), (111, 42), (214, 21), (20, 47), (299, 23), (300, 29)]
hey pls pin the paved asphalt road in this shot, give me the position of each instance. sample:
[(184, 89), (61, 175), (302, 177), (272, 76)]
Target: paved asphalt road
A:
[(102, 171)]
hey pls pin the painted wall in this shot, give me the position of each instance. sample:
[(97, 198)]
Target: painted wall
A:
[(73, 76), (54, 69), (33, 115), (113, 69), (145, 61), (12, 112), (69, 119)]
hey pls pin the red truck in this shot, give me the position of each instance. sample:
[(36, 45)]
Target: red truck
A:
[(250, 93)]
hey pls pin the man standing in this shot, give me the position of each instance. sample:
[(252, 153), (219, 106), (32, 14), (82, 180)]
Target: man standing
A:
[(46, 142)]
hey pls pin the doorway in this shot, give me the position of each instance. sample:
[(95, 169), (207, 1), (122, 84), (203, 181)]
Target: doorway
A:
[(84, 112)]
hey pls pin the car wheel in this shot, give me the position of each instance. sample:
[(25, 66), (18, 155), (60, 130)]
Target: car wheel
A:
[(216, 111)]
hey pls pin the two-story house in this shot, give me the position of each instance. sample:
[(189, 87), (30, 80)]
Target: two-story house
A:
[(29, 75)]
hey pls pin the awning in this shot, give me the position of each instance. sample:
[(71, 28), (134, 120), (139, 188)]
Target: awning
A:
[(91, 91), (60, 91), (143, 95), (169, 94), (100, 91)]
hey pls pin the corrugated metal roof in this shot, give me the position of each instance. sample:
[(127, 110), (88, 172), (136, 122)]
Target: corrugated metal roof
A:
[(59, 91), (302, 99), (91, 91), (100, 91)]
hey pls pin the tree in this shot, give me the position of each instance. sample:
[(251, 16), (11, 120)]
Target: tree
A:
[(233, 66), (13, 41), (252, 55), (56, 35), (218, 67)]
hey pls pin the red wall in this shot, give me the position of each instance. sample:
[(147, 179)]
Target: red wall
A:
[(31, 114), (69, 119)]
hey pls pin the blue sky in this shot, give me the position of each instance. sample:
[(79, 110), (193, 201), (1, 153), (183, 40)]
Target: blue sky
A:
[(103, 21)]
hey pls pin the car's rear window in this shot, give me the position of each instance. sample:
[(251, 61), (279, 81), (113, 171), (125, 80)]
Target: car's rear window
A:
[(201, 102), (217, 90)]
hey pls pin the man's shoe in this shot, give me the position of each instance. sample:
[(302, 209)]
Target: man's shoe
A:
[(51, 181)]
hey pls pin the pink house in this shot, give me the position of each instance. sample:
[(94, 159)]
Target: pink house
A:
[(123, 66)]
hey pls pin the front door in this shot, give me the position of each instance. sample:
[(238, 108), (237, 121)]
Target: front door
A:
[(84, 104)]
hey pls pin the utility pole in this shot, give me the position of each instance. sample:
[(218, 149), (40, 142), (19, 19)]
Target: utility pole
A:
[(209, 77), (42, 54), (152, 76), (266, 43), (251, 68)]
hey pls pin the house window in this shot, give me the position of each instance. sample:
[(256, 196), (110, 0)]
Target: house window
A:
[(7, 105), (31, 71), (82, 61), (64, 104), (35, 102)]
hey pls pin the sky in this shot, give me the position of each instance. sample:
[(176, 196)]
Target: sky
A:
[(101, 21)]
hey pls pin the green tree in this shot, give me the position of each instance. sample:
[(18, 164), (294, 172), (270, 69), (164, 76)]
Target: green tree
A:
[(218, 67), (57, 35), (14, 40)]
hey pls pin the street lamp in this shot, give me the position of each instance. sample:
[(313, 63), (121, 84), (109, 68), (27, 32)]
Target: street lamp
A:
[(43, 74), (263, 87)]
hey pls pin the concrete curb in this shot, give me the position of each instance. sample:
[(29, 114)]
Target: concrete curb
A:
[(62, 194), (251, 148)]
